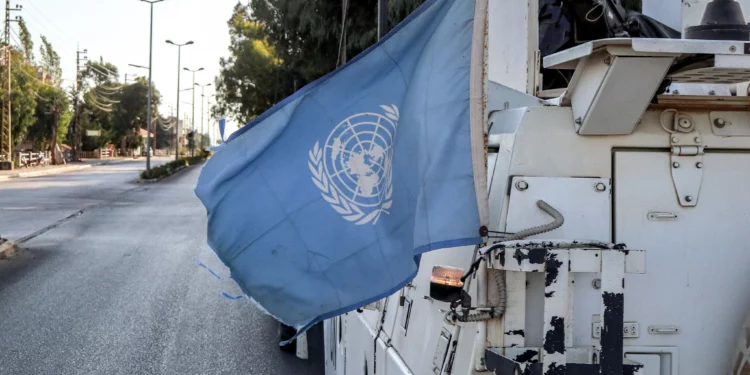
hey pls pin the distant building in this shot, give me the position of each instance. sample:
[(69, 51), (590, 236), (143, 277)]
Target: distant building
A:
[(44, 76)]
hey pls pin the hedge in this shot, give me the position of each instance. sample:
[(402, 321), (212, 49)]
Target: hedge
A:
[(171, 167)]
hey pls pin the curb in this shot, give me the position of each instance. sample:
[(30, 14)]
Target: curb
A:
[(7, 249), (45, 172)]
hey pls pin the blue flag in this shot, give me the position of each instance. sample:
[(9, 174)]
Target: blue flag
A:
[(325, 203)]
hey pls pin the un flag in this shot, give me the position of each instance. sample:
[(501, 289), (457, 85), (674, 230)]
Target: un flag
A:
[(326, 202)]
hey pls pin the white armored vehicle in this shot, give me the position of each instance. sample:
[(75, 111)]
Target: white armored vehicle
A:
[(619, 169)]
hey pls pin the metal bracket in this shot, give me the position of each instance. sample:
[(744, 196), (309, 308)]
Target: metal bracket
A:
[(686, 160), (686, 163)]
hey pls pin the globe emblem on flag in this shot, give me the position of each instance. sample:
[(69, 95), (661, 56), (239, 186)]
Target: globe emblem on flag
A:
[(353, 167)]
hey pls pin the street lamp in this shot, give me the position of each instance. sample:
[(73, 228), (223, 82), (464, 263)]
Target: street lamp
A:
[(193, 120), (150, 59), (203, 103), (210, 135), (177, 118)]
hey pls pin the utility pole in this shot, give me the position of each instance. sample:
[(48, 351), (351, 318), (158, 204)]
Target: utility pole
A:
[(74, 133), (6, 133)]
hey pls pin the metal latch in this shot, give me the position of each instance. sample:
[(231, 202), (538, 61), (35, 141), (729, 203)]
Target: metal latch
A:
[(687, 167), (686, 161)]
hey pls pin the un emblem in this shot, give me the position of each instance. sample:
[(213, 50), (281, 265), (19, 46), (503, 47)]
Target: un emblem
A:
[(353, 168)]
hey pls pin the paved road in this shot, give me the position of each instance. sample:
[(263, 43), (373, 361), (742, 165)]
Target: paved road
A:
[(114, 290), (27, 205)]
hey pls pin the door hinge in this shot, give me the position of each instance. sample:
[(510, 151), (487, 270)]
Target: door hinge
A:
[(687, 166)]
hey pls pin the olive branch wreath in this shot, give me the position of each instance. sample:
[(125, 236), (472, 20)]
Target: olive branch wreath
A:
[(350, 211)]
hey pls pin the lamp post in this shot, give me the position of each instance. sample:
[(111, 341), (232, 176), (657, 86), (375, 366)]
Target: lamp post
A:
[(150, 59), (193, 118), (210, 133), (203, 110), (177, 119)]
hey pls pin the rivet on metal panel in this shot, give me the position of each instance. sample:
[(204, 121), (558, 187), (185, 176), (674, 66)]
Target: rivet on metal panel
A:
[(712, 92), (522, 185), (596, 283), (675, 140), (608, 60), (676, 92), (675, 165), (719, 123), (579, 121), (732, 49), (697, 139), (699, 165), (688, 199), (685, 123), (600, 187)]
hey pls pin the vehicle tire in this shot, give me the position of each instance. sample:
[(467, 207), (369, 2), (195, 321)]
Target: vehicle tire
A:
[(285, 333)]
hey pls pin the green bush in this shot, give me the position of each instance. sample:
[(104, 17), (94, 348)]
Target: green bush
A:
[(171, 167)]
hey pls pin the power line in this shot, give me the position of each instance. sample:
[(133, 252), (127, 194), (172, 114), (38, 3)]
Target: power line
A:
[(48, 20)]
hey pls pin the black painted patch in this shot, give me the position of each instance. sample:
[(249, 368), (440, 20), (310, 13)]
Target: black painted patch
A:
[(535, 256), (518, 332), (501, 258), (583, 369), (555, 369), (553, 269), (747, 48), (612, 335), (554, 339), (549, 295), (631, 369), (527, 357)]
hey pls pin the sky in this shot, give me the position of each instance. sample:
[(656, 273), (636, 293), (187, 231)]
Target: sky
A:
[(118, 32)]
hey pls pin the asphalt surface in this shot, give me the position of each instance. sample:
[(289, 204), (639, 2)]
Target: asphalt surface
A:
[(113, 289)]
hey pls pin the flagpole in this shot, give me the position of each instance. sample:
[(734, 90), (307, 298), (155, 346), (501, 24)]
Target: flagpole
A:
[(382, 18)]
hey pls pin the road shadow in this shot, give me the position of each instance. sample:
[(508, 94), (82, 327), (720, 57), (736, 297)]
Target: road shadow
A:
[(13, 269)]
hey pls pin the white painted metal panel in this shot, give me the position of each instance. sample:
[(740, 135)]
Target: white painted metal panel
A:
[(585, 209), (512, 43), (587, 216), (698, 264), (622, 96)]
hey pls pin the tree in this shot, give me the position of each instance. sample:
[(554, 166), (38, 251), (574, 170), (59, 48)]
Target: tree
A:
[(27, 44), (280, 45), (50, 62), (248, 75), (23, 95), (53, 114)]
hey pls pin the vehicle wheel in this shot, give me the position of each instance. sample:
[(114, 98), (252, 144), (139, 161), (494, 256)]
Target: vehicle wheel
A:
[(285, 333)]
